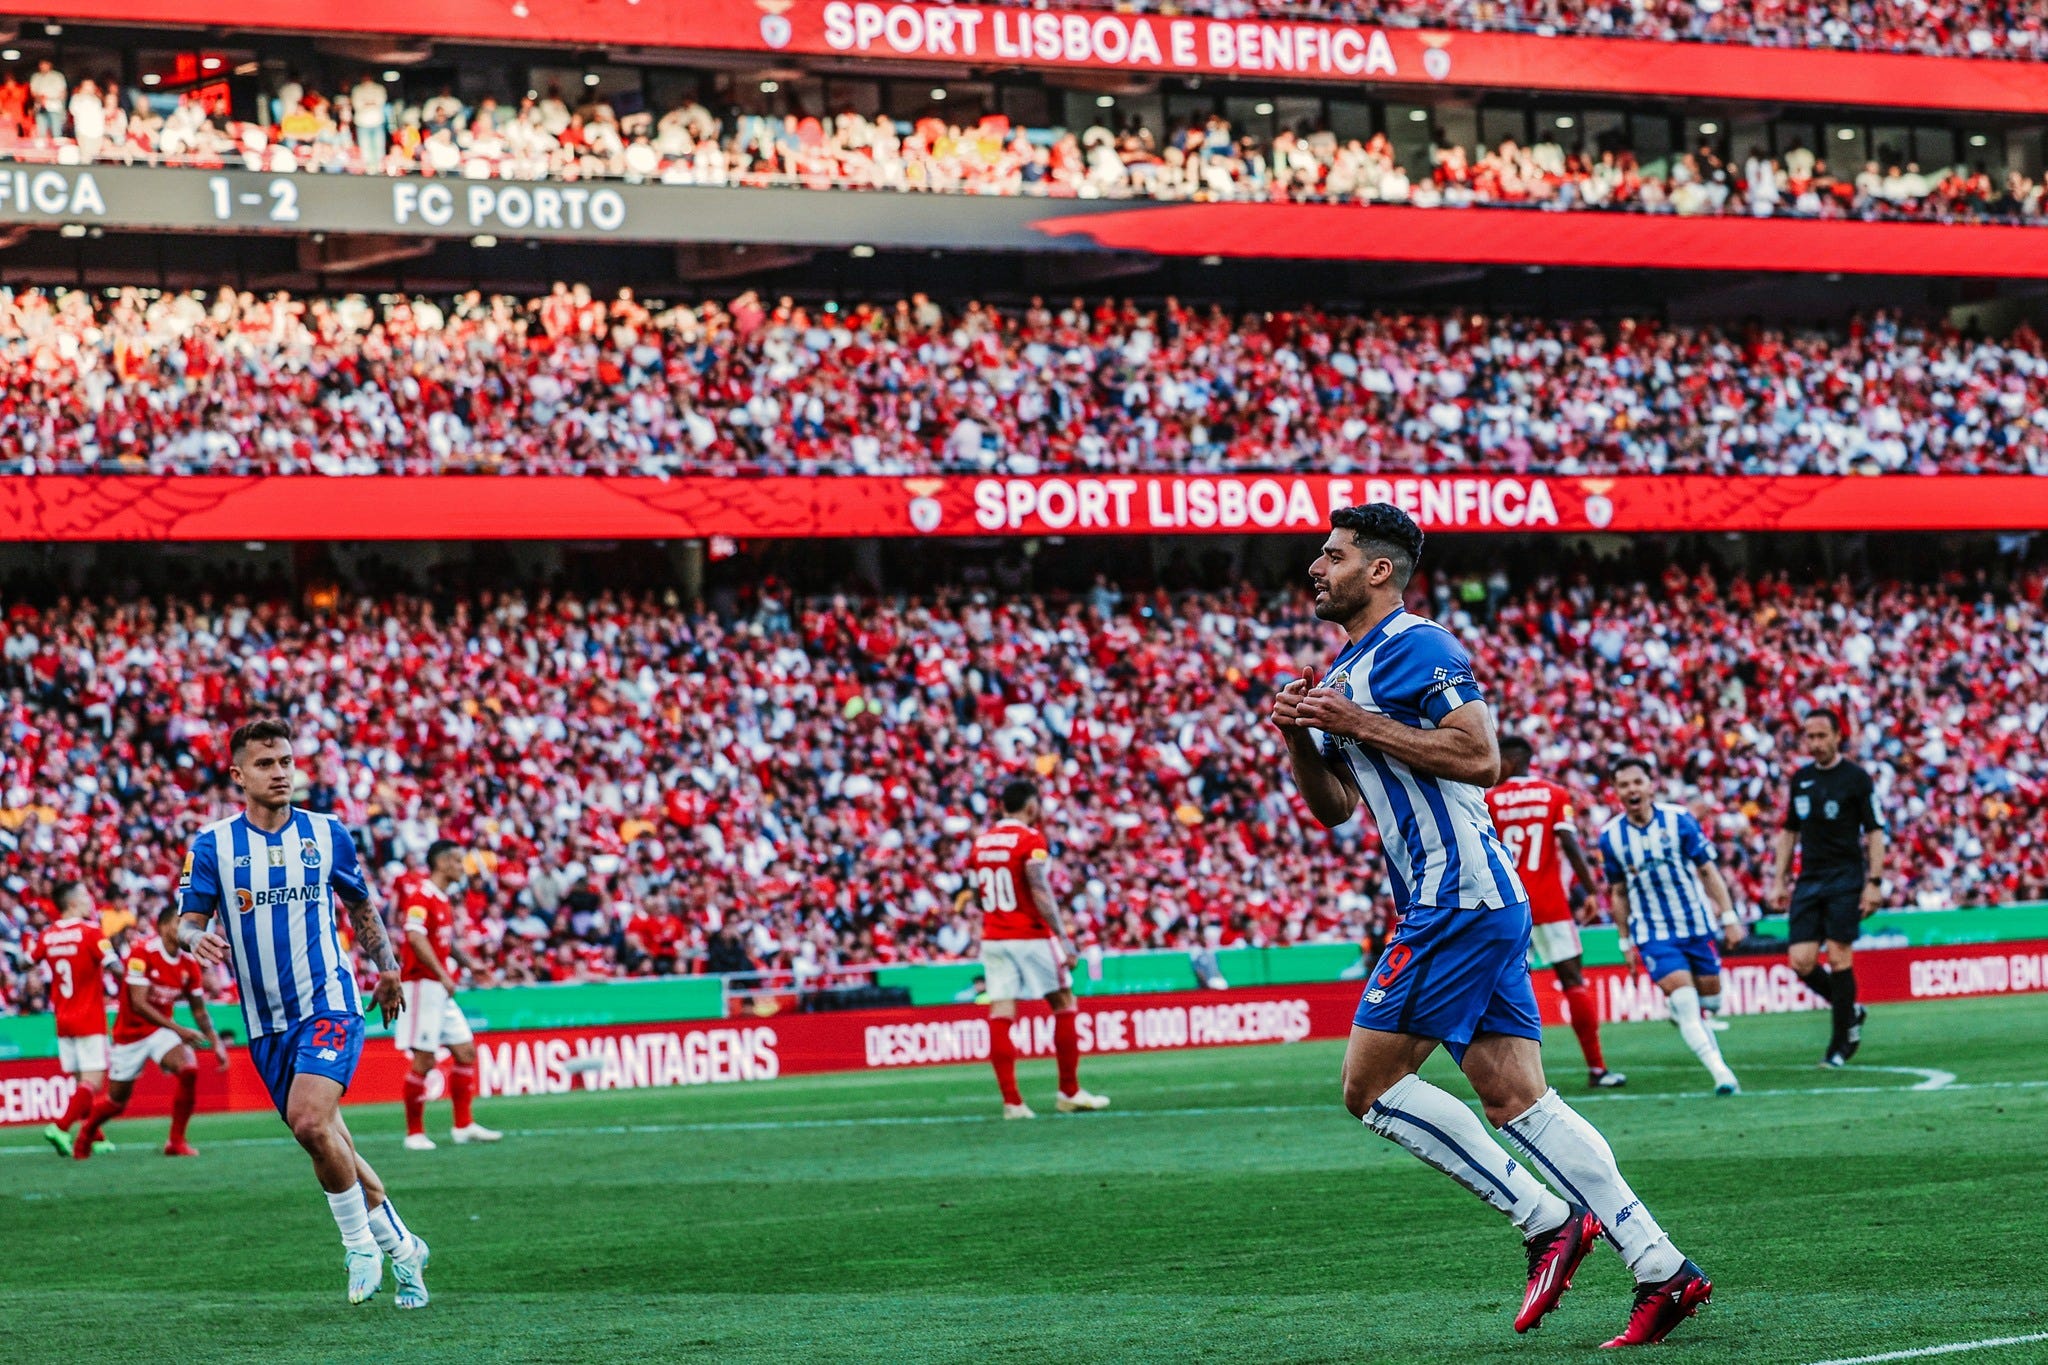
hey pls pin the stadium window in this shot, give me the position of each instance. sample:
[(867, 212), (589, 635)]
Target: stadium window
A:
[(1408, 128), (861, 97), (1848, 149), (1351, 120), (1893, 144), (1455, 125), (1567, 130), (1789, 133), (1497, 125), (1935, 149), (1605, 130), (1650, 135), (1297, 113), (1027, 106)]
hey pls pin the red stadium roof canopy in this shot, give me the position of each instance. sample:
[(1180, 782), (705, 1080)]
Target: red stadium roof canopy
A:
[(204, 507), (989, 36)]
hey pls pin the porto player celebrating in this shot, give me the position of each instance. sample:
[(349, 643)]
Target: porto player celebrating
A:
[(76, 954), (1534, 818), (432, 1020), (1398, 725), (1025, 951), (144, 1032), (269, 878)]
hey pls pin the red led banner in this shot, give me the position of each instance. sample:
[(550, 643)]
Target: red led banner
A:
[(454, 507), (997, 36)]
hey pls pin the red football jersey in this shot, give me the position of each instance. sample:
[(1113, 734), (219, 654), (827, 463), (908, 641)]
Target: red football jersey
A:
[(73, 950), (1528, 812), (169, 980), (423, 905), (997, 870)]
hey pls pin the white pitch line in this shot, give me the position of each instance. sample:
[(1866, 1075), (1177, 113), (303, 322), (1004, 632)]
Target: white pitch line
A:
[(1954, 1347), (1216, 1111)]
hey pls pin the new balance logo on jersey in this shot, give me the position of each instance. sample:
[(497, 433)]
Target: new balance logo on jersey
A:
[(1374, 996), (328, 1054)]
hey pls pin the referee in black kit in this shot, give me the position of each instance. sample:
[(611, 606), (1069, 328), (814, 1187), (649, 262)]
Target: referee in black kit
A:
[(1833, 818)]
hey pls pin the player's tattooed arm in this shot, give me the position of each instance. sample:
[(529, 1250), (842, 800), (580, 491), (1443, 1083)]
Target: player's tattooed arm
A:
[(1040, 882), (371, 939), (373, 943)]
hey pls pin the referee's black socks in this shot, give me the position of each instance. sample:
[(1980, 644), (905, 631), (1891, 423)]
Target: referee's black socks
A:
[(1845, 1003), (1821, 982)]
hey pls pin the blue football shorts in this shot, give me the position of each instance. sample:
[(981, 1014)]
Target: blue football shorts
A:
[(1452, 973), (1697, 954), (320, 1045)]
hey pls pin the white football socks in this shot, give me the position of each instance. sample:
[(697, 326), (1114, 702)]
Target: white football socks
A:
[(1711, 1004), (1685, 1012), (389, 1229), (1570, 1151), (352, 1216), (1434, 1126)]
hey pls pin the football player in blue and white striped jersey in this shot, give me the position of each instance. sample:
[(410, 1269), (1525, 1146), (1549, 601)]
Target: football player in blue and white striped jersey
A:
[(1667, 897), (258, 893), (1398, 724)]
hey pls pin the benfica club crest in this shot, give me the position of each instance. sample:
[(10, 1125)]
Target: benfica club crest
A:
[(776, 30), (1436, 56), (1599, 509), (925, 511)]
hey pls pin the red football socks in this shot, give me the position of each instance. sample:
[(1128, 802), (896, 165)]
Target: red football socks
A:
[(1585, 1020), (82, 1097), (462, 1090), (415, 1104), (1002, 1055), (182, 1102), (1066, 1045)]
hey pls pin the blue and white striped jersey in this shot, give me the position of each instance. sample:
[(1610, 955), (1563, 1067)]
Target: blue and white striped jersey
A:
[(1656, 863), (1439, 839), (274, 894)]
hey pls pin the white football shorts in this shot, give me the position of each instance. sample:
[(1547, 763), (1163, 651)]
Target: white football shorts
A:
[(130, 1058), (431, 1019), (1550, 944), (1024, 968), (78, 1055)]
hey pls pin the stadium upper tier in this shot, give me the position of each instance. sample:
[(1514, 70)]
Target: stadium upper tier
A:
[(134, 381), (812, 772), (1196, 159), (1945, 27)]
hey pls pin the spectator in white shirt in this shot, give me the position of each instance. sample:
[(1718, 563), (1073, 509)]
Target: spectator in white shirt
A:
[(47, 91), (368, 100)]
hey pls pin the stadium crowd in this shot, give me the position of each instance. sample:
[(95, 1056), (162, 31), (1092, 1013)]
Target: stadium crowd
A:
[(137, 381), (544, 137), (1957, 28), (647, 788)]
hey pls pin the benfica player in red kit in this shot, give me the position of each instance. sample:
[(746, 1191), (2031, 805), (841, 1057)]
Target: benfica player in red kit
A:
[(1025, 951), (158, 977), (76, 955), (1534, 817), (432, 1020)]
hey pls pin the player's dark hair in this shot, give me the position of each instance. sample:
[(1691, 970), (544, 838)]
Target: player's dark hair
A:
[(1382, 529), (1516, 744), (1018, 794), (1831, 716), (437, 848), (1627, 761), (61, 892), (166, 912), (257, 732)]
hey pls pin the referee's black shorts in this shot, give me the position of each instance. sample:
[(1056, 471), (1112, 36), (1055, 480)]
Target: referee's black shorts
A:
[(1830, 910)]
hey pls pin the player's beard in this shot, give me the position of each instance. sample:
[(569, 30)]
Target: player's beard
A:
[(1332, 606)]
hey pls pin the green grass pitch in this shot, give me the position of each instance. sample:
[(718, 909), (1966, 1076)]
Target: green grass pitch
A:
[(1226, 1209)]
